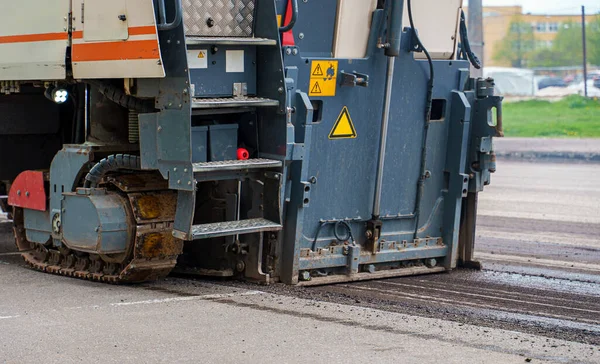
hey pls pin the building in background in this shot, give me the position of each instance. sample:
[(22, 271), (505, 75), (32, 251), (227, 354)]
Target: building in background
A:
[(497, 22)]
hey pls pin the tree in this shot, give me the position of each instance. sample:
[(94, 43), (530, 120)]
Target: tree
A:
[(518, 45), (593, 42), (567, 48)]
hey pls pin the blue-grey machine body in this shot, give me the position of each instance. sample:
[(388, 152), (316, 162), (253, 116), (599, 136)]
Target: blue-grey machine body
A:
[(307, 207)]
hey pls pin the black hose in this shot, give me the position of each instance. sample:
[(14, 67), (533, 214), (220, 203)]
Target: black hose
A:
[(348, 231), (119, 97), (422, 177), (290, 25), (336, 226), (111, 164), (466, 45)]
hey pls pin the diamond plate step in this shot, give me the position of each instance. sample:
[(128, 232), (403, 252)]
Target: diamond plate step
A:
[(221, 102), (241, 41), (219, 18), (236, 165), (228, 228)]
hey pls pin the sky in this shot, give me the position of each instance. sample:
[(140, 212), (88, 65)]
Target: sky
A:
[(549, 6)]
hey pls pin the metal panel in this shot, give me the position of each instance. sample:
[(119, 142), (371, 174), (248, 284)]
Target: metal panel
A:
[(353, 27), (105, 20), (111, 54), (219, 18), (217, 80), (33, 40), (96, 223), (340, 173), (437, 29)]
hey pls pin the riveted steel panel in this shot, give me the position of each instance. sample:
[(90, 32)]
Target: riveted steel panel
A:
[(219, 18)]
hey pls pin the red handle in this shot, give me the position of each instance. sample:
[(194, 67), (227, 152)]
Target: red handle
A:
[(242, 154)]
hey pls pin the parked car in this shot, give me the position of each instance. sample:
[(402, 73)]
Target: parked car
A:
[(551, 82), (597, 82)]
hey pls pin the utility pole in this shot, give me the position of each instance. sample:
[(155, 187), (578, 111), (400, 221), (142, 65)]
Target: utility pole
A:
[(584, 51), (475, 23)]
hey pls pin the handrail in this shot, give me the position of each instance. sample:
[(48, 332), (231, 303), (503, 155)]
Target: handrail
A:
[(162, 16)]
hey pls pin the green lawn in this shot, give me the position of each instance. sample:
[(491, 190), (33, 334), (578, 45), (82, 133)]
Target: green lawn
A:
[(574, 116)]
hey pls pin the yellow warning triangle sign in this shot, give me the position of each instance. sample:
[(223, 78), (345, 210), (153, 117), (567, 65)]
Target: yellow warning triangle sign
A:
[(343, 127), (316, 89), (318, 71)]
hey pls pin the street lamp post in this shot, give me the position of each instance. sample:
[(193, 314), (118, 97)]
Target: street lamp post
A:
[(585, 88)]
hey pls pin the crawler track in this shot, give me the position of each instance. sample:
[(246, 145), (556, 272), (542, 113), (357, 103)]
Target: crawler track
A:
[(152, 253)]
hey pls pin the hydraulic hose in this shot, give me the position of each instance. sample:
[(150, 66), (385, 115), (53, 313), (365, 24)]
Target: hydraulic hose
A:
[(422, 173), (464, 36), (290, 25), (119, 97), (110, 164)]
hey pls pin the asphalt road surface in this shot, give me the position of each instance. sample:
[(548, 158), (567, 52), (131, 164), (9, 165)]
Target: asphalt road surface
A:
[(536, 300)]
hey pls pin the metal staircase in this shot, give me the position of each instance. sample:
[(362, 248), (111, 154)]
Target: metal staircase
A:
[(228, 85)]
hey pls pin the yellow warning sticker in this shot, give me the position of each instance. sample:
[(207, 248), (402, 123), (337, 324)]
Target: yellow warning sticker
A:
[(318, 87), (343, 127), (279, 18), (202, 54), (323, 78)]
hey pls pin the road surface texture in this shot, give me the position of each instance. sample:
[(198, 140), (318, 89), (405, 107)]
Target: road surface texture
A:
[(537, 299)]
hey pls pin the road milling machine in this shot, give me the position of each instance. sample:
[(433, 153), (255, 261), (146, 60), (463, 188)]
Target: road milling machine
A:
[(297, 141)]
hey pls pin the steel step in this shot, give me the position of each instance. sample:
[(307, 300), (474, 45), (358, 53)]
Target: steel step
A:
[(236, 165), (228, 228), (242, 101), (242, 41)]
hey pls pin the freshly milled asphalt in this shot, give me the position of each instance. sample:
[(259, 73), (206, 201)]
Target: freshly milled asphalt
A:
[(537, 299)]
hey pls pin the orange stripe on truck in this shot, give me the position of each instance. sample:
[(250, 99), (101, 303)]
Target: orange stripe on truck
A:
[(116, 51), (145, 30), (27, 38)]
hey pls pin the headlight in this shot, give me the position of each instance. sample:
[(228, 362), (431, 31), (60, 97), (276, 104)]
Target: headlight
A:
[(60, 95)]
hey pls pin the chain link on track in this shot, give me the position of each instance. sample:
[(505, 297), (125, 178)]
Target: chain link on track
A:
[(152, 257)]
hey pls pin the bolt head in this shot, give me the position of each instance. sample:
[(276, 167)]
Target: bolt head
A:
[(240, 266), (304, 276), (301, 36), (430, 263)]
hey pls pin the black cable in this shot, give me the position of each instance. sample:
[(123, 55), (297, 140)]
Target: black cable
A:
[(421, 183), (314, 245), (349, 235), (466, 45), (119, 97), (431, 71), (290, 25), (348, 231), (110, 164)]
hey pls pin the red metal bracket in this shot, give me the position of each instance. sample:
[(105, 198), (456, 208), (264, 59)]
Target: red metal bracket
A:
[(27, 191), (288, 37)]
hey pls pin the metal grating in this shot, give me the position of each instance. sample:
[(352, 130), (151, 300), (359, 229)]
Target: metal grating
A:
[(219, 18), (228, 228), (242, 101), (235, 165)]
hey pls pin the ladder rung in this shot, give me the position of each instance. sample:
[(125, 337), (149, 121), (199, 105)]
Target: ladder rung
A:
[(228, 228), (220, 102), (236, 165)]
